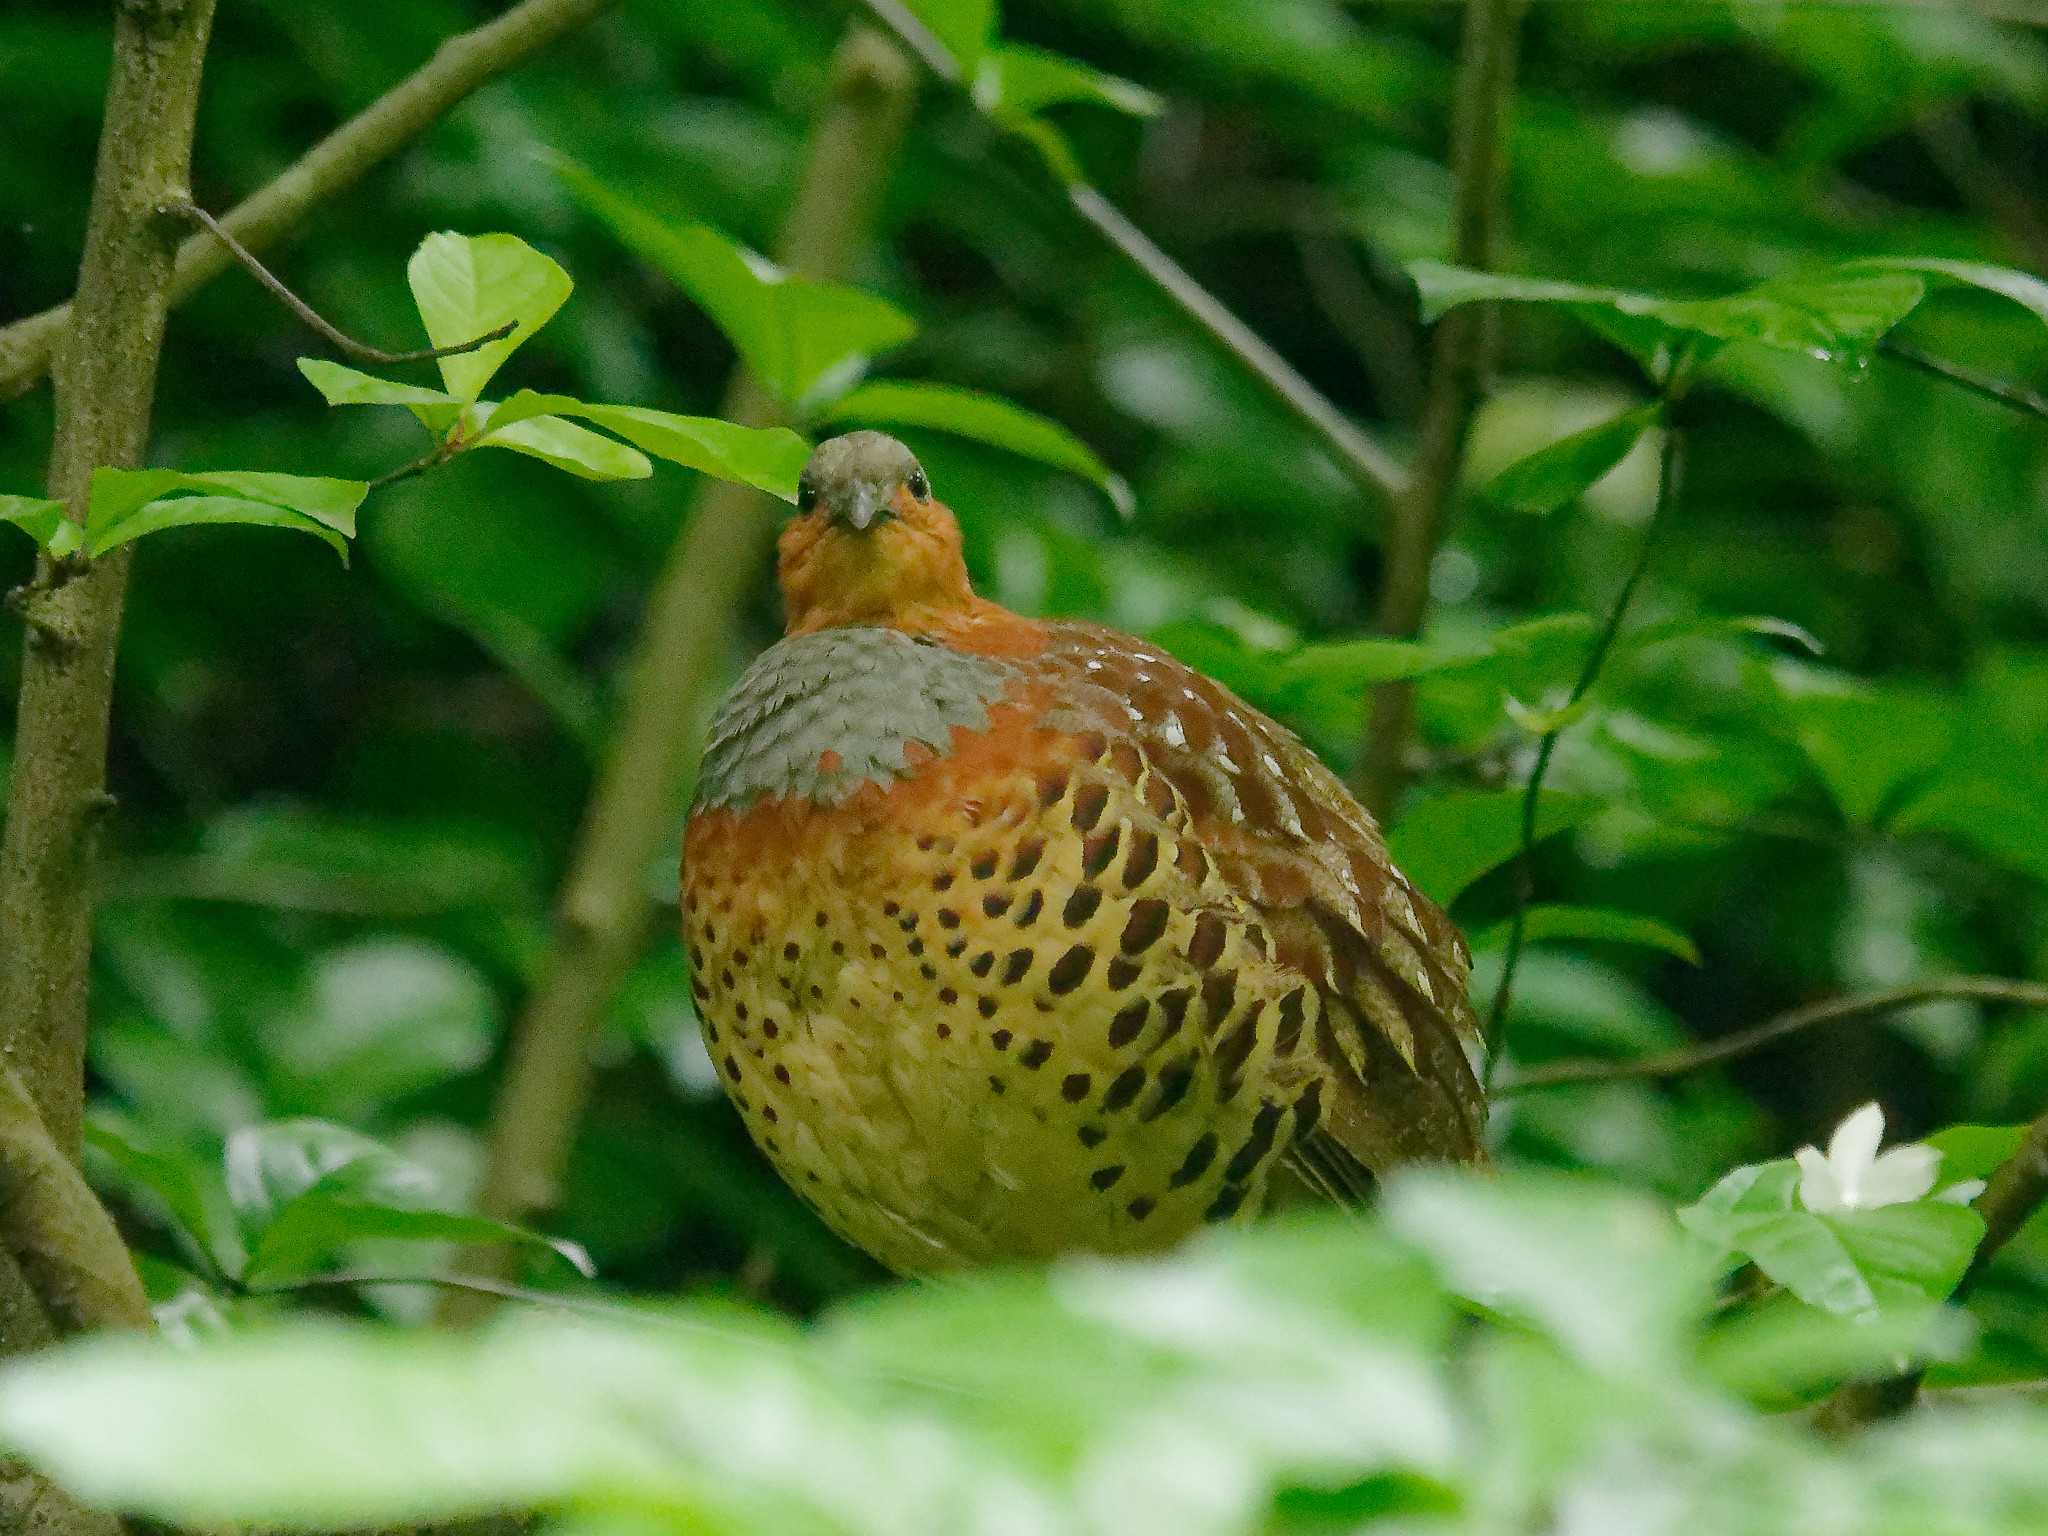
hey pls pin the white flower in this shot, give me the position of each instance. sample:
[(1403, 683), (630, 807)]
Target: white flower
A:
[(1854, 1176)]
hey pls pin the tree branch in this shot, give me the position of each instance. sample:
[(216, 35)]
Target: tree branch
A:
[(603, 911), (1460, 353), (1983, 989), (1368, 464), (459, 67), (362, 351), (2012, 396)]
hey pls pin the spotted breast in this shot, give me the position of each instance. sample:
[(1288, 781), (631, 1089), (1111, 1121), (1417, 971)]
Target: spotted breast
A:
[(1012, 938)]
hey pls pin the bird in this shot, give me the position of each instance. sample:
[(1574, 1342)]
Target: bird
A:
[(1012, 938)]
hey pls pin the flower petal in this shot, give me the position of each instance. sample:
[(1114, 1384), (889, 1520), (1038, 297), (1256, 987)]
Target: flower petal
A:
[(1819, 1190), (1963, 1193), (1899, 1176), (1854, 1145)]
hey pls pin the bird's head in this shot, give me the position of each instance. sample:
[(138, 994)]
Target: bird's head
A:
[(870, 544)]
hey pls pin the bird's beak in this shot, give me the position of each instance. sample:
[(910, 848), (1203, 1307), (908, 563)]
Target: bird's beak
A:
[(864, 509)]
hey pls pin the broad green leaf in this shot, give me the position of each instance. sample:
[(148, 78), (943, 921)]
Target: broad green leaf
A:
[(582, 452), (720, 1423), (269, 1166), (468, 285), (305, 1189), (1872, 745), (964, 26), (1838, 314), (339, 385), (2021, 287), (38, 517), (1597, 924), (119, 493), (318, 1225), (768, 459), (196, 511), (1975, 1151), (794, 334), (189, 1191), (1449, 841), (1568, 468), (1855, 1262), (985, 419), (1602, 1271), (1015, 80)]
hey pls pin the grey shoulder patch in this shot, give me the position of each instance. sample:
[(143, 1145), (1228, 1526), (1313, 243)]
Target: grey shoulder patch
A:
[(863, 693)]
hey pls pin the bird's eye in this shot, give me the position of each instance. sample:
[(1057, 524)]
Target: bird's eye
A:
[(920, 487), (806, 496)]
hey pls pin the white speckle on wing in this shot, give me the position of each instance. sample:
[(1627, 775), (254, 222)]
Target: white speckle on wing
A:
[(1175, 733)]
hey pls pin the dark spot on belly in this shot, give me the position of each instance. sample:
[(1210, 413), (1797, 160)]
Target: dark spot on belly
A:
[(1099, 851), (1226, 1203), (1141, 1207), (1145, 925), (1128, 1024), (1074, 1087), (1123, 1089), (1090, 801), (1081, 906), (1071, 969), (1035, 1055), (1092, 1135), (1264, 1125), (1029, 852), (995, 904), (1103, 1178), (1028, 913), (1175, 1078), (982, 963), (1196, 1163), (1015, 964), (984, 865)]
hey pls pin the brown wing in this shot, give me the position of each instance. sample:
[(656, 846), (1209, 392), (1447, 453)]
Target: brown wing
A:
[(1399, 1033)]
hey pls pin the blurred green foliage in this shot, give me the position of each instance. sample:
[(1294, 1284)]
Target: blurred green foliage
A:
[(1816, 763)]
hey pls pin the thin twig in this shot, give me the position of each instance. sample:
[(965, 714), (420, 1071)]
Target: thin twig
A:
[(1460, 355), (1370, 465), (1671, 467), (2013, 396), (184, 207), (439, 454), (1983, 989)]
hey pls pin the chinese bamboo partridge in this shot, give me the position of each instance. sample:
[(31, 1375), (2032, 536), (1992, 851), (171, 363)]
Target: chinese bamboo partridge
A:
[(1013, 937)]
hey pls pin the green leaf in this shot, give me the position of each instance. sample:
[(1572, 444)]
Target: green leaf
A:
[(117, 493), (1975, 1151), (2021, 287), (1015, 80), (129, 503), (964, 26), (582, 452), (1568, 468), (38, 517), (305, 1189), (339, 385), (797, 336), (1871, 745), (469, 285), (1448, 842), (1839, 315), (189, 1191), (1853, 1262), (718, 1423), (1602, 1271), (768, 459), (1597, 924), (985, 419)]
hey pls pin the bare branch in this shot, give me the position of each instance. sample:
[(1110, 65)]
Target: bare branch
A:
[(185, 208), (1983, 989), (1999, 391)]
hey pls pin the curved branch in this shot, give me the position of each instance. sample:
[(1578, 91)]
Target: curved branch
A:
[(362, 351), (1982, 989), (458, 68)]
